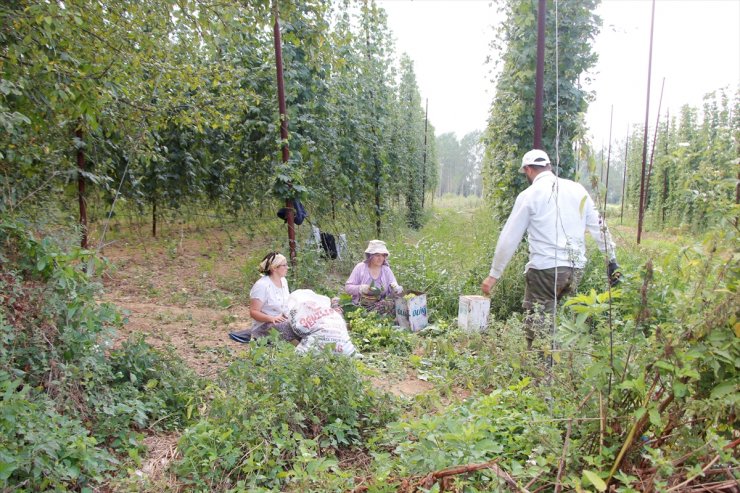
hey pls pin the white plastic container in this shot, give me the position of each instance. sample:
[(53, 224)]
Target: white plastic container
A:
[(472, 314), (412, 313)]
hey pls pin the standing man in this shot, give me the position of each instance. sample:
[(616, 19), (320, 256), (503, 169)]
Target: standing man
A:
[(555, 213)]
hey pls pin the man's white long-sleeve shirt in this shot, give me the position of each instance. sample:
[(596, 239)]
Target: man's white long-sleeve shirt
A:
[(555, 213)]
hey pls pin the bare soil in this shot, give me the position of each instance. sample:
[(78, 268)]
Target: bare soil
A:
[(183, 294)]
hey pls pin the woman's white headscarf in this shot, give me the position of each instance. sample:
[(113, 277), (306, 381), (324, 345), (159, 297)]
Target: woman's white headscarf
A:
[(271, 262)]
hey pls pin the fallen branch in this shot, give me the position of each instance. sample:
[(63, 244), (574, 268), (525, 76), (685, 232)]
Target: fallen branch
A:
[(431, 478), (408, 485), (690, 479), (730, 486)]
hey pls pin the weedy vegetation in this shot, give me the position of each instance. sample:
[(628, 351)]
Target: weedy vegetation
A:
[(641, 394)]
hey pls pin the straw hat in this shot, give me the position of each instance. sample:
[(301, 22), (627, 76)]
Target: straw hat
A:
[(376, 246)]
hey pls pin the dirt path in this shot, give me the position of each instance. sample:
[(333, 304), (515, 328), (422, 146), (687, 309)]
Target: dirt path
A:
[(185, 294)]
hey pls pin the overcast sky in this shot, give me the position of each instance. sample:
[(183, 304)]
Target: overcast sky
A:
[(696, 48)]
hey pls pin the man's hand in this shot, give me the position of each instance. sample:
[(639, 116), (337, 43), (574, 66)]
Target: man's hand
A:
[(613, 272), (488, 284)]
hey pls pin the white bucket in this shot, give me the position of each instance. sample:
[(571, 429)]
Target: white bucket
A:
[(472, 314), (412, 313)]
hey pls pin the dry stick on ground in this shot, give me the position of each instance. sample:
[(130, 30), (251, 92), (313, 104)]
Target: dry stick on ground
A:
[(728, 486), (566, 443), (561, 466), (681, 460), (636, 431), (533, 480), (428, 481), (602, 423), (706, 471), (690, 479)]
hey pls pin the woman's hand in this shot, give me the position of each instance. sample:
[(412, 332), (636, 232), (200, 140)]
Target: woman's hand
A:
[(255, 311), (335, 306)]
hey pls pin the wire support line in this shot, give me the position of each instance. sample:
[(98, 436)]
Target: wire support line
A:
[(556, 190)]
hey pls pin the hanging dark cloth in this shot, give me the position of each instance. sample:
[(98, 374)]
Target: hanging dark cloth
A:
[(299, 212)]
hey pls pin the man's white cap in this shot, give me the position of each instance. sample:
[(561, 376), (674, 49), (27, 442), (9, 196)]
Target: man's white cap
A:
[(535, 157)]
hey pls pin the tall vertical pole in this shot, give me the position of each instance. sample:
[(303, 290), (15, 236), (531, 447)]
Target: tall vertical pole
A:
[(652, 149), (369, 10), (424, 160), (665, 171), (283, 123), (737, 195), (540, 75), (641, 209), (608, 159), (624, 176)]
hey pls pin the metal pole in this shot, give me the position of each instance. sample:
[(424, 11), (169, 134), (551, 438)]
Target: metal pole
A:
[(624, 176), (652, 150), (283, 123), (424, 160), (608, 159), (540, 75), (641, 210)]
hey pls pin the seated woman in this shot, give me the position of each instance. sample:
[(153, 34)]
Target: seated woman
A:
[(268, 301), (372, 280)]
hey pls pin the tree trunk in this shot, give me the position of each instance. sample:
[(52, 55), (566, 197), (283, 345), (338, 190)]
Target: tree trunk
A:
[(377, 197), (81, 188), (290, 213), (665, 197), (154, 219)]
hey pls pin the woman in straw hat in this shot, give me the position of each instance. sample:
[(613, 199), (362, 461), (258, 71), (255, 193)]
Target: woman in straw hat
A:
[(372, 280), (268, 301)]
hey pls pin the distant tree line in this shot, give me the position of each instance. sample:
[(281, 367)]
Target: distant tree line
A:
[(460, 164)]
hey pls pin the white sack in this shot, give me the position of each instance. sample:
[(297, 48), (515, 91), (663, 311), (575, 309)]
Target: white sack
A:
[(317, 323)]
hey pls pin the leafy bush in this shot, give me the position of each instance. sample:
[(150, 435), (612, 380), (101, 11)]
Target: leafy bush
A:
[(160, 378), (511, 425), (54, 338), (41, 449), (473, 360), (371, 333), (445, 264), (273, 411)]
